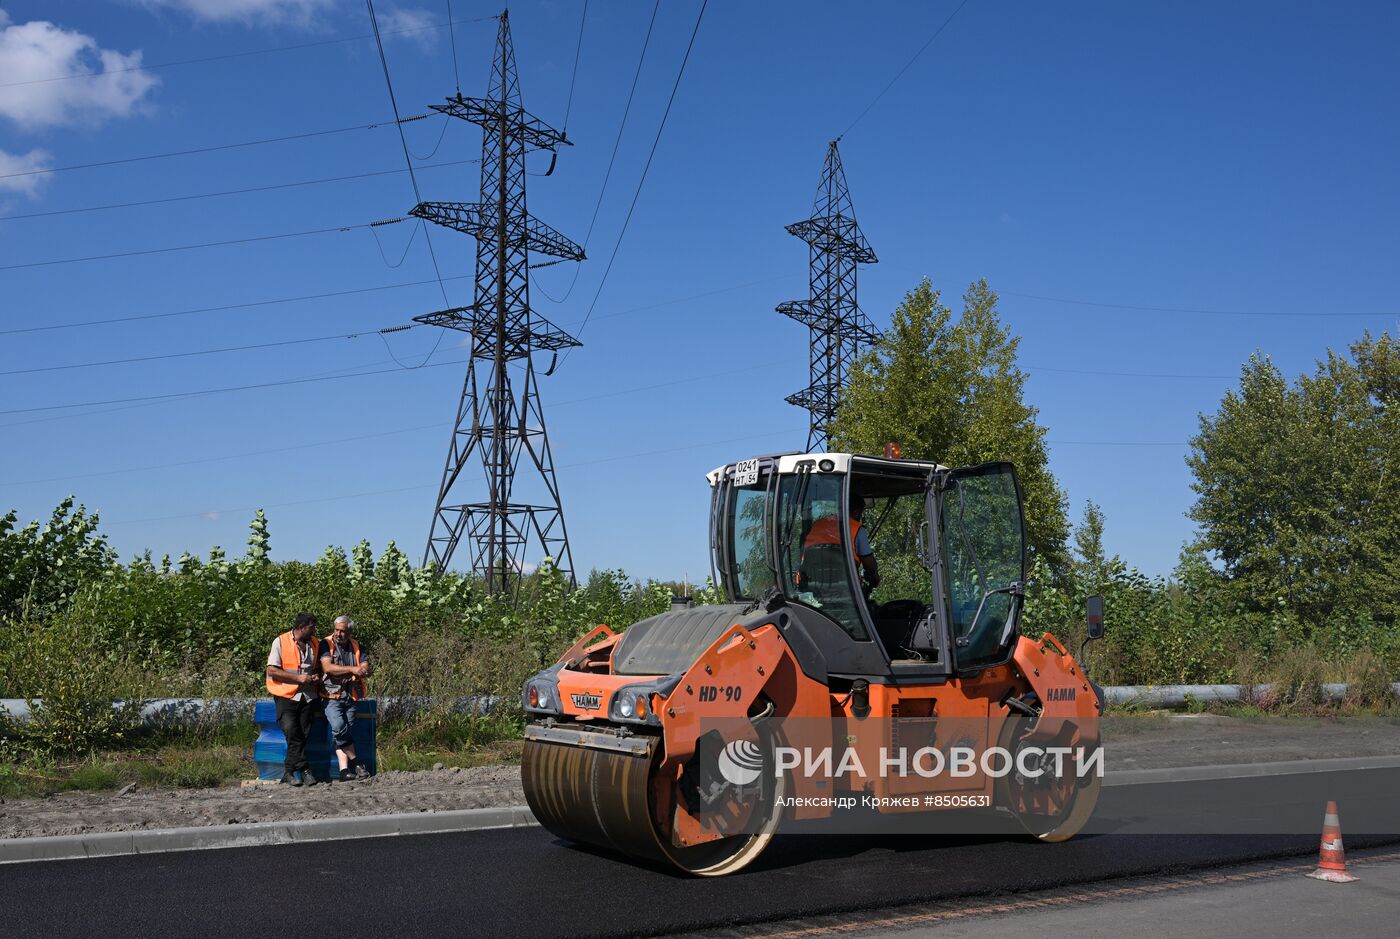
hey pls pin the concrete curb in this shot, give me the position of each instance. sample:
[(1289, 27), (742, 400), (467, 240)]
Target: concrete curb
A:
[(259, 834), (1144, 777)]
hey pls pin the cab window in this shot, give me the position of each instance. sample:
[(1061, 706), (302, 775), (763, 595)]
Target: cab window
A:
[(748, 525), (815, 548), (984, 544)]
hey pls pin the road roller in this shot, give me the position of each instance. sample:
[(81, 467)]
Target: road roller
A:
[(870, 658)]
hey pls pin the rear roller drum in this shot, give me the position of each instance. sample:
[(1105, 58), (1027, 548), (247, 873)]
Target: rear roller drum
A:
[(1051, 808)]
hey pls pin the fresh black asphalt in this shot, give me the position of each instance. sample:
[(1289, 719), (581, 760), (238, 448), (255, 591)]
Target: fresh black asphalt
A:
[(525, 882)]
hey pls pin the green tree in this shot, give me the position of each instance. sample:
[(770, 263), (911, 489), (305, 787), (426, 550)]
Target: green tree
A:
[(42, 567), (951, 391), (1094, 567), (1298, 487)]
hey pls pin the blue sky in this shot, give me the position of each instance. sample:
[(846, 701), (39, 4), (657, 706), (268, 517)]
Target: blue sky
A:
[(1237, 158)]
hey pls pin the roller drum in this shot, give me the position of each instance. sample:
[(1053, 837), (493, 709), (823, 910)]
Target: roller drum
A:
[(603, 797), (598, 797)]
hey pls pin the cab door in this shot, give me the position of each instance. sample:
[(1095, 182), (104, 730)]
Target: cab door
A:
[(983, 558)]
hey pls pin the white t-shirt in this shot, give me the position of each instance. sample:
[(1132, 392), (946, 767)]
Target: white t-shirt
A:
[(308, 661)]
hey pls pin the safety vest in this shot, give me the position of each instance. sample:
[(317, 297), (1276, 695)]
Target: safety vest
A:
[(291, 653), (825, 531), (356, 685)]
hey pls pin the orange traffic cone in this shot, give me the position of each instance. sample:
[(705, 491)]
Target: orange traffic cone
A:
[(1331, 862)]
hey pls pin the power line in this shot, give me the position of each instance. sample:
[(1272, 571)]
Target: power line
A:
[(642, 181), (207, 391), (125, 403), (1119, 443), (204, 244), (224, 308), (413, 178), (236, 55), (274, 505), (584, 400), (1085, 371), (1152, 309), (216, 147), (452, 31), (318, 378), (689, 446), (197, 352), (617, 142), (231, 456), (227, 192), (900, 73), (573, 79), (346, 371), (1172, 309), (345, 293), (380, 492)]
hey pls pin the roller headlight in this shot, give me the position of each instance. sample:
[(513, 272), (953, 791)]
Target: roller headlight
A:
[(633, 705)]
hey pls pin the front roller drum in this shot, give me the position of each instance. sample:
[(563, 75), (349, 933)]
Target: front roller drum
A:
[(604, 797)]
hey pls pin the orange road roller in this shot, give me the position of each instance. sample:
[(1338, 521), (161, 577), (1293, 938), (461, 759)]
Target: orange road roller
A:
[(871, 660)]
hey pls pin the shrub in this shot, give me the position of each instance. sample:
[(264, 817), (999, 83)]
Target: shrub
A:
[(71, 688), (1297, 675), (1368, 681)]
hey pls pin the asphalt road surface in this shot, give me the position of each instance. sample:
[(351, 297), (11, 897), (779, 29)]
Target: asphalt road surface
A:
[(525, 882)]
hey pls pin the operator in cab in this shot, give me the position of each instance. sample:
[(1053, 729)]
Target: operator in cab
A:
[(826, 531)]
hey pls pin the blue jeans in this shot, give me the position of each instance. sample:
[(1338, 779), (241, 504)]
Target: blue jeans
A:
[(340, 714)]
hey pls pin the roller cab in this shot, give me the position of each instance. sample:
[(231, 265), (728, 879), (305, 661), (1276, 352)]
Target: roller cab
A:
[(876, 607)]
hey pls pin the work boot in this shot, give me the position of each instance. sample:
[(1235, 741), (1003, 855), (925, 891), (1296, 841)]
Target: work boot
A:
[(360, 770), (309, 778), (291, 779), (347, 775)]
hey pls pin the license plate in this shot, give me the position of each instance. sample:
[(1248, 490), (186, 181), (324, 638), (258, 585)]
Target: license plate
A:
[(745, 472)]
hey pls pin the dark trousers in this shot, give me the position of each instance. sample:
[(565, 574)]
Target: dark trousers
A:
[(295, 718)]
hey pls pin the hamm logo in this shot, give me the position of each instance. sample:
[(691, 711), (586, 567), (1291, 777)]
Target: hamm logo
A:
[(1061, 694), (587, 702)]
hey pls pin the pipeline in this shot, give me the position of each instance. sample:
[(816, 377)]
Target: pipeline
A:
[(176, 712), (166, 713), (1178, 696)]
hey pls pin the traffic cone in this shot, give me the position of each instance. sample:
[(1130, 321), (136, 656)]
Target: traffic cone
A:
[(1331, 861)]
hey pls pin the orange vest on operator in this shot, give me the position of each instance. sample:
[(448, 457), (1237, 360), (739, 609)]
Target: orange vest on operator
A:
[(825, 531), (290, 653), (356, 685)]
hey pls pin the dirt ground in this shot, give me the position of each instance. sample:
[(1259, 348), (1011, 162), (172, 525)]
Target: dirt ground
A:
[(1132, 742)]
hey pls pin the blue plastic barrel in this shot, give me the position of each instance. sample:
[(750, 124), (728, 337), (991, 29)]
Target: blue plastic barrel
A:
[(270, 749)]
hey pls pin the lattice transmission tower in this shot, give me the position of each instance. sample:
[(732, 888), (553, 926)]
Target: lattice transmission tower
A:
[(838, 327), (501, 427)]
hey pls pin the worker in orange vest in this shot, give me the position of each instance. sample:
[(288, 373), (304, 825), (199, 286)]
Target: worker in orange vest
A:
[(344, 664), (293, 678), (826, 530)]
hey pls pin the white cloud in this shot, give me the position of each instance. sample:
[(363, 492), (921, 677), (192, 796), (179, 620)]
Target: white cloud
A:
[(33, 54), (12, 163), (409, 23), (298, 12)]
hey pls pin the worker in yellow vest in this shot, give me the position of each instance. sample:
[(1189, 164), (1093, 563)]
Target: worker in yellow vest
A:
[(293, 679), (344, 664)]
